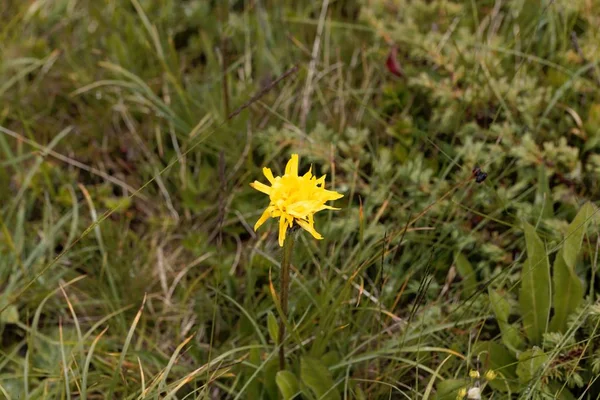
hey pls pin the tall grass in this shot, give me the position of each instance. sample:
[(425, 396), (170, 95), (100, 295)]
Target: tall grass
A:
[(129, 131)]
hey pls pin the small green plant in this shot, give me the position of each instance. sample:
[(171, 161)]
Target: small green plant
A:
[(540, 352)]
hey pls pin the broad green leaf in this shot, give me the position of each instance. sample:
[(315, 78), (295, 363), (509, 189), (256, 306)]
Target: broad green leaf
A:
[(270, 378), (575, 233), (272, 327), (567, 294), (543, 196), (568, 289), (10, 315), (511, 337), (448, 389), (534, 296), (501, 360), (499, 305), (330, 358), (317, 377), (288, 384), (559, 391), (465, 270), (530, 365)]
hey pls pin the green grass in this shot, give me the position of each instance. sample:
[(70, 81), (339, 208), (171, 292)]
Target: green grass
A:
[(129, 131)]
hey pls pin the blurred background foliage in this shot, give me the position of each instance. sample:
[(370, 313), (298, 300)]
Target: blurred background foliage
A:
[(397, 101)]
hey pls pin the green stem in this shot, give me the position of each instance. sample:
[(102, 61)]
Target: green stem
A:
[(288, 246)]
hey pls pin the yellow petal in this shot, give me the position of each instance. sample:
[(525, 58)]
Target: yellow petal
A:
[(309, 173), (269, 175), (292, 166), (261, 187), (265, 216), (309, 227), (300, 209), (325, 207), (282, 230), (327, 195), (334, 195)]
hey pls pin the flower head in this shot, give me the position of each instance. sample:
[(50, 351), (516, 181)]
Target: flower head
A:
[(490, 375), (462, 392), (294, 199), (474, 374)]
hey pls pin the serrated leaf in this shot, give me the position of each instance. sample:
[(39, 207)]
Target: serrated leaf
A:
[(10, 315), (530, 364), (272, 327), (534, 296), (511, 337), (465, 271), (288, 384), (575, 233), (318, 378)]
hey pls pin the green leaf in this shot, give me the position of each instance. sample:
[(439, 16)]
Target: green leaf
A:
[(534, 296), (317, 377), (254, 386), (592, 122), (568, 289), (559, 391), (359, 394), (465, 270), (272, 327), (568, 293), (288, 384), (543, 196), (511, 337), (10, 315), (433, 377), (270, 378), (330, 358), (448, 389), (119, 204), (501, 360), (575, 233), (530, 364)]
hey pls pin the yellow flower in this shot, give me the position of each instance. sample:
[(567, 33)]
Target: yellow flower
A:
[(461, 393), (474, 374), (294, 199), (490, 375)]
